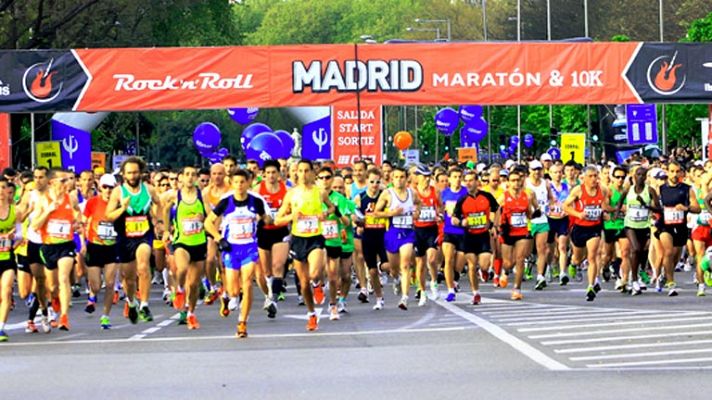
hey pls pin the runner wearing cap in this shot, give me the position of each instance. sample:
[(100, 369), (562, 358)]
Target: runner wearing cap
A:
[(539, 188), (426, 233), (547, 162), (101, 248)]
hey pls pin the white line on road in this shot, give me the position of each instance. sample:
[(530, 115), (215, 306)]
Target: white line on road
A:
[(501, 334), (523, 309), (156, 328), (619, 323), (631, 346), (621, 338), (607, 331), (573, 318), (533, 312), (638, 355), (655, 362)]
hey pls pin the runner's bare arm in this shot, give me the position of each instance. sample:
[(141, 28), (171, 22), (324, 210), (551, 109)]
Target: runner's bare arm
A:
[(708, 201), (157, 200), (384, 200), (46, 207), (211, 226), (694, 203), (116, 206), (330, 208), (568, 205), (284, 215)]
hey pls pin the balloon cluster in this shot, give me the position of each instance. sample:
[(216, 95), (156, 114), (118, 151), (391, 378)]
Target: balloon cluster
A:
[(474, 127), (206, 139), (259, 141)]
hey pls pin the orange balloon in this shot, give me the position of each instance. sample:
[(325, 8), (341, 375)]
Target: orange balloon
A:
[(402, 140)]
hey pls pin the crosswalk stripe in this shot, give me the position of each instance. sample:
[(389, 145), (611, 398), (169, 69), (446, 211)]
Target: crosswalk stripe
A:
[(557, 320), (631, 346), (545, 318), (608, 331), (619, 323), (638, 355), (621, 338), (655, 362)]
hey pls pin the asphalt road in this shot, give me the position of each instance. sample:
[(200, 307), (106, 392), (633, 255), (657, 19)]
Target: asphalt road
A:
[(551, 345)]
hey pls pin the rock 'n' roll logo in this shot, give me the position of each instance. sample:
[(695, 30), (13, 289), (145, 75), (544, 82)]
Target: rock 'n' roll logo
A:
[(42, 82), (665, 76)]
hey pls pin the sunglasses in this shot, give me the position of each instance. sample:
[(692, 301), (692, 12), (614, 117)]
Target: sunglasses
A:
[(374, 182), (164, 185), (348, 177), (325, 177), (484, 180), (106, 187), (619, 177)]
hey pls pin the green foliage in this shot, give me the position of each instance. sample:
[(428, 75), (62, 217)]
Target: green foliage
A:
[(700, 30)]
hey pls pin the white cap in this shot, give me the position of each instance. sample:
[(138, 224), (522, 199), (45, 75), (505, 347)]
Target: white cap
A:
[(107, 180), (480, 167), (535, 164), (508, 164), (545, 157)]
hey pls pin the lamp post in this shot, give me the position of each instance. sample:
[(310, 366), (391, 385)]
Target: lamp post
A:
[(437, 21), (436, 30)]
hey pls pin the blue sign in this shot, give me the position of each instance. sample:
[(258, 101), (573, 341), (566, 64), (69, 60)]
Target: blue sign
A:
[(75, 145), (555, 153), (131, 148), (642, 123), (316, 139)]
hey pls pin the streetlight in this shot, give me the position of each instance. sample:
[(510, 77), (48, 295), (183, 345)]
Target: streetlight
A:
[(437, 21)]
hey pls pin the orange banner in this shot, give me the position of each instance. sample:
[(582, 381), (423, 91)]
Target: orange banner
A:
[(345, 134), (5, 141), (465, 154)]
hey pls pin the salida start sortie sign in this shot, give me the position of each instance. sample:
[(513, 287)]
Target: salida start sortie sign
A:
[(131, 79), (352, 129)]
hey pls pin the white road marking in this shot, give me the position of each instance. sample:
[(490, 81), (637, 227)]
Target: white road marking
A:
[(619, 323), (631, 346), (573, 318), (156, 328), (501, 334), (621, 338), (533, 312), (607, 331), (638, 355), (655, 362)]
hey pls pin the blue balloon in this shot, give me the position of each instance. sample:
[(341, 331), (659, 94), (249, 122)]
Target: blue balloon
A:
[(223, 152), (446, 121), (206, 137), (470, 112), (287, 143), (528, 140), (265, 146), (251, 131), (514, 140), (504, 153), (475, 130), (243, 115)]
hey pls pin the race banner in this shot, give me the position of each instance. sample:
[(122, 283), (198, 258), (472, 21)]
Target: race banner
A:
[(5, 141), (355, 139), (130, 79)]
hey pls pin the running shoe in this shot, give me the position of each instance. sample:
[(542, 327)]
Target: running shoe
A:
[(193, 322), (132, 312), (503, 281), (115, 299), (671, 288), (434, 294), (528, 273), (210, 297), (56, 307), (379, 304), (403, 303), (333, 313), (476, 299), (30, 327), (280, 297), (363, 296), (30, 299), (4, 337), (105, 322), (701, 290), (495, 281), (341, 306), (619, 286), (516, 295), (63, 322), (540, 283), (272, 309), (224, 309), (76, 291), (597, 287), (179, 300), (707, 277), (44, 323), (145, 314), (606, 273), (53, 317), (300, 300), (242, 329), (396, 287), (563, 280), (318, 294), (90, 308), (450, 297), (183, 317), (572, 270), (644, 277), (590, 293), (312, 323), (423, 299), (234, 304), (637, 290)]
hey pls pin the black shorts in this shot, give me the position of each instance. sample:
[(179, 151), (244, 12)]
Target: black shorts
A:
[(126, 247), (580, 235), (612, 235), (300, 247), (374, 251), (641, 235), (33, 253), (457, 240), (8, 265), (512, 240), (425, 238), (477, 243), (266, 238), (23, 264), (99, 255), (345, 255), (557, 227), (197, 253), (52, 253), (679, 233), (333, 252)]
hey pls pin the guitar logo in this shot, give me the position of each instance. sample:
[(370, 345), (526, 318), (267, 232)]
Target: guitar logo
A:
[(665, 76), (41, 82)]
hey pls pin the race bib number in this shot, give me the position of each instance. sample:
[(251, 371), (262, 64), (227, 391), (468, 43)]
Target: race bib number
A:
[(592, 213), (241, 230), (450, 206), (518, 220), (638, 213), (375, 222), (192, 226), (136, 226), (59, 228), (556, 210), (330, 229), (273, 214), (5, 244), (705, 217), (477, 220), (106, 231), (543, 205), (672, 216), (427, 214), (403, 221), (308, 224)]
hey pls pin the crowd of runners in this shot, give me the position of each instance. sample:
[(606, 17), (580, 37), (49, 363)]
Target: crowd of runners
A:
[(209, 235)]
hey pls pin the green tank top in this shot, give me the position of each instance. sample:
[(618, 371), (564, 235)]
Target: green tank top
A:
[(348, 245), (332, 228), (140, 203), (614, 223), (188, 222), (7, 225), (637, 215), (704, 217)]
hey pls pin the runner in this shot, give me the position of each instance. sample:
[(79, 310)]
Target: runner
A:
[(585, 204), (186, 212), (453, 239), (216, 189), (303, 206), (702, 234), (677, 198), (400, 205), (476, 211), (101, 249), (239, 215), (426, 233), (57, 219), (347, 249), (230, 164), (558, 224), (540, 189), (358, 186), (273, 240), (130, 207), (614, 234), (8, 268)]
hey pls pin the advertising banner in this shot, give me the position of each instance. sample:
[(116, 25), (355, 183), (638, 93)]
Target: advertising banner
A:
[(5, 141), (98, 160), (48, 154), (350, 138), (573, 147), (316, 139), (75, 145)]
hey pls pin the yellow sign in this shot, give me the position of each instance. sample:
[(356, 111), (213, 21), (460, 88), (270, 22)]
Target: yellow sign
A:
[(573, 147), (48, 154), (465, 154)]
